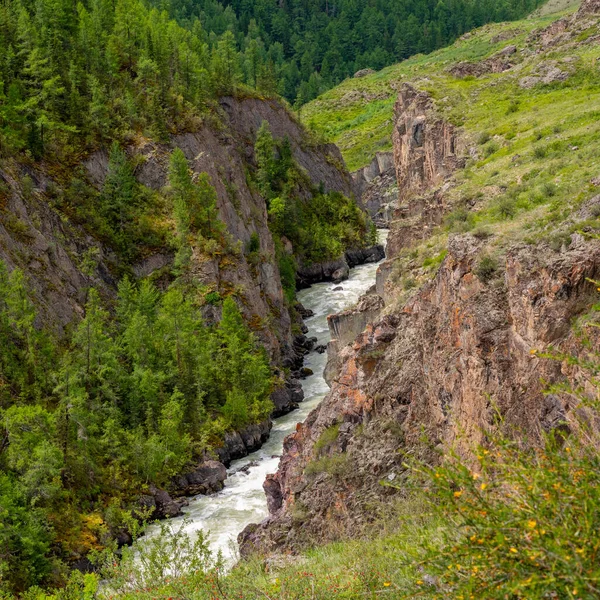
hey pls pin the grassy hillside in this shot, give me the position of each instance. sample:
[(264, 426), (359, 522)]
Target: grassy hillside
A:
[(357, 114)]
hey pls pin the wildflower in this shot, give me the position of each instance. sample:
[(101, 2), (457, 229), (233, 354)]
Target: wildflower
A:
[(388, 583), (532, 524), (419, 582), (533, 352), (483, 486), (458, 494), (514, 550)]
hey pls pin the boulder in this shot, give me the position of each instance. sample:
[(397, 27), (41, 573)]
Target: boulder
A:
[(363, 73), (207, 478), (165, 506)]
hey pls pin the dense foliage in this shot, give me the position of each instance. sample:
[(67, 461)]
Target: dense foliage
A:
[(320, 225), (304, 47), (127, 403), (101, 69)]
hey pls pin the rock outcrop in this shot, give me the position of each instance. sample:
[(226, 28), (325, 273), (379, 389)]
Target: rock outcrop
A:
[(207, 478), (498, 63), (427, 151), (338, 270), (238, 444), (376, 188), (460, 354)]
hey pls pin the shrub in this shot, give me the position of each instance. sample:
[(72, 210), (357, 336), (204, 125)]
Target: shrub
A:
[(327, 438), (513, 107), (507, 208), (491, 148), (253, 243), (484, 138), (549, 189), (540, 152), (486, 268), (336, 466)]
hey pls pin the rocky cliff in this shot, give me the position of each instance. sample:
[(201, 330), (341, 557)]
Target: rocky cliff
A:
[(62, 259), (437, 374), (377, 188), (456, 353), (427, 150)]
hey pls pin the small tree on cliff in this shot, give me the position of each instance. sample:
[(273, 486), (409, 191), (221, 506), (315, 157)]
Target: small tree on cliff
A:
[(264, 151)]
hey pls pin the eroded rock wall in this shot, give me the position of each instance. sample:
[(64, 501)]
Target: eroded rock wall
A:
[(434, 375)]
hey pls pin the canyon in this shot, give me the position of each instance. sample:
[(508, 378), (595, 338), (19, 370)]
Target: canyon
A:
[(443, 367)]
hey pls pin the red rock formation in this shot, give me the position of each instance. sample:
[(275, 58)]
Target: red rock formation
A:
[(436, 374)]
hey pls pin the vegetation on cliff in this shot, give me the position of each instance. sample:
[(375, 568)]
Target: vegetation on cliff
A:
[(127, 403), (319, 225)]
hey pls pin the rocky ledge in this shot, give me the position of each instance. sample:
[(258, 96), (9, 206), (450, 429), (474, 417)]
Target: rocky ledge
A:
[(460, 357), (338, 270)]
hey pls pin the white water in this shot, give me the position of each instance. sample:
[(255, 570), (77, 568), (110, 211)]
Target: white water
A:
[(242, 501)]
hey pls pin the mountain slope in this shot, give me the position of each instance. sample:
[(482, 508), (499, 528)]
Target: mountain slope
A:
[(491, 253)]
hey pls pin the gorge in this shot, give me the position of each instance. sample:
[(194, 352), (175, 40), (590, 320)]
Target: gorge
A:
[(242, 501)]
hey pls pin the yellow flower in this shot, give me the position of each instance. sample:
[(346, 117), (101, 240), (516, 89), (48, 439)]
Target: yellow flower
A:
[(457, 494), (533, 352), (483, 486), (387, 583), (476, 476), (532, 524), (419, 582), (514, 550)]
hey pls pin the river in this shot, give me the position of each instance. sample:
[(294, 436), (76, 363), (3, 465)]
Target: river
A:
[(242, 501)]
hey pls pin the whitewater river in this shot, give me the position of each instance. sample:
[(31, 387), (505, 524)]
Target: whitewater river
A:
[(242, 501)]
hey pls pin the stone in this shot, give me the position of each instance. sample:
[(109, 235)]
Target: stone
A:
[(363, 73), (340, 274), (530, 81), (207, 478)]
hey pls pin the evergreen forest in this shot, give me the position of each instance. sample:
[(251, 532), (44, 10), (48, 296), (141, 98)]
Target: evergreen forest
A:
[(96, 70)]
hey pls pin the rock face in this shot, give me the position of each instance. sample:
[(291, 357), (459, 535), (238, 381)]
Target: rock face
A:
[(439, 368), (498, 63), (207, 478), (49, 249), (346, 326), (238, 444), (427, 150), (338, 270), (225, 154), (376, 187), (54, 251)]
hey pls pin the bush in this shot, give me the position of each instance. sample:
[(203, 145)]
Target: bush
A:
[(486, 268), (327, 438), (506, 208), (491, 148), (337, 465), (253, 243)]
